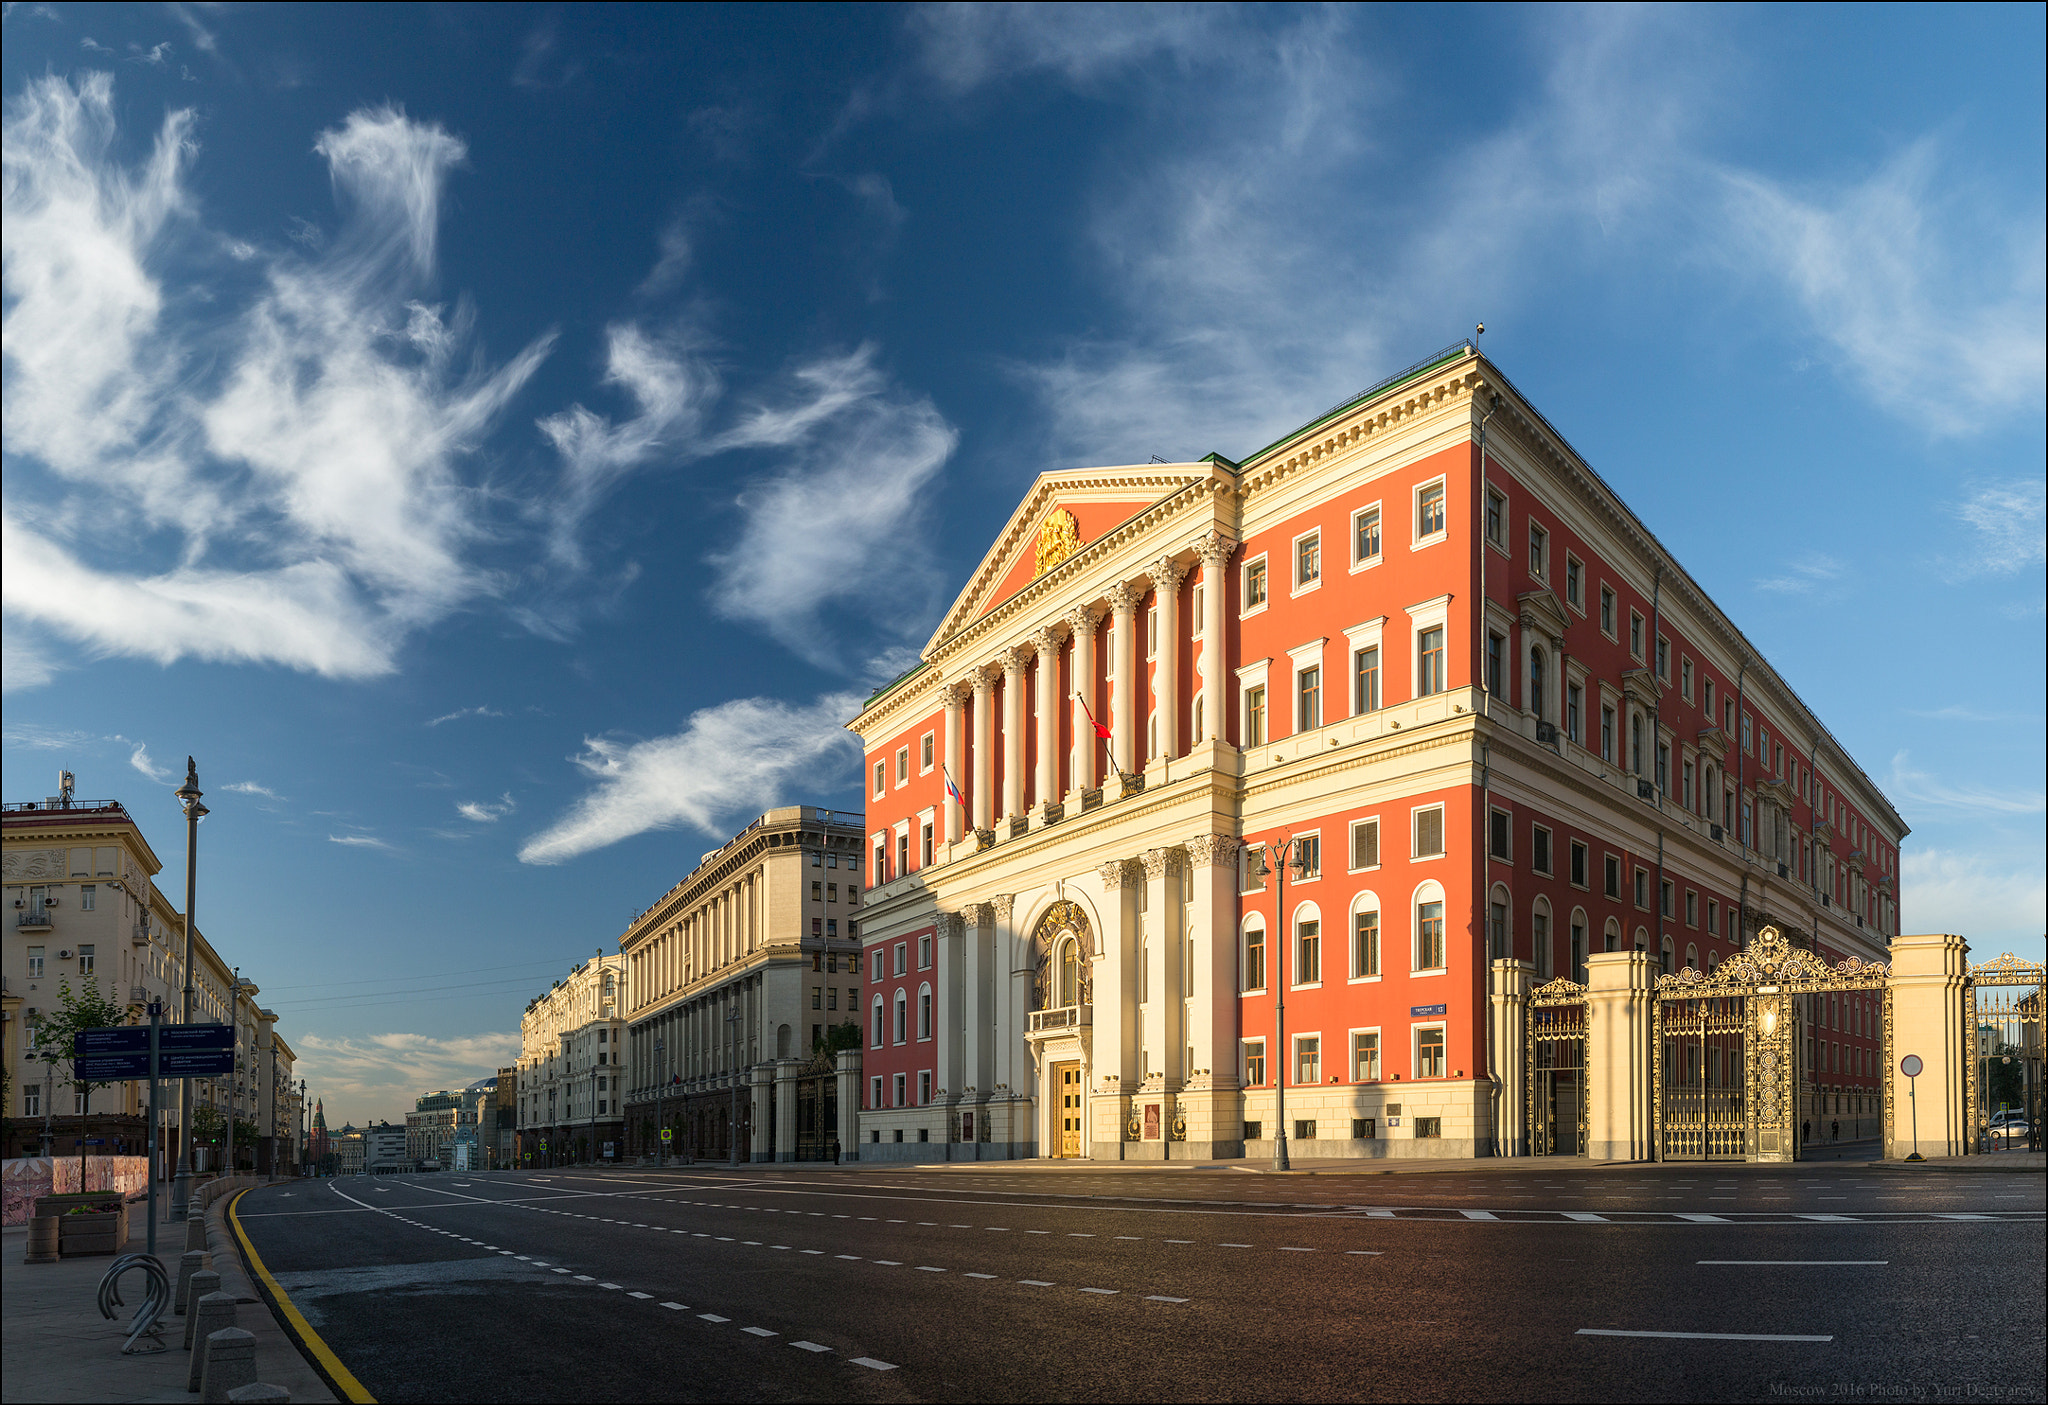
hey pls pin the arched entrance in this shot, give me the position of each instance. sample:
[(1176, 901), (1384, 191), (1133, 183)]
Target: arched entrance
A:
[(1062, 1010)]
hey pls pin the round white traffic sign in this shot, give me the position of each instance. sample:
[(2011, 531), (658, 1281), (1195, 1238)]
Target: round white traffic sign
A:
[(1911, 1065)]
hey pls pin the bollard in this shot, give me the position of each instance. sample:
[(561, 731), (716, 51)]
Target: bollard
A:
[(203, 1281), (192, 1262), (261, 1393), (43, 1234), (230, 1364), (210, 1315), (195, 1232)]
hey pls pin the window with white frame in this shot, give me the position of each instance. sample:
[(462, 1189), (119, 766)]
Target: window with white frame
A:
[(1308, 1058), (1429, 512), (902, 1018), (1252, 965), (877, 1030), (1496, 519), (1254, 586), (1308, 857), (1539, 848), (1635, 635), (1539, 940), (1308, 698), (1574, 582), (902, 957), (903, 765), (1365, 936), (1607, 611), (1308, 945), (1429, 661), (1365, 844), (1365, 679), (1426, 832), (1539, 551), (1254, 1056), (1429, 927), (881, 779), (1365, 1055), (1365, 536), (1429, 1051), (1308, 561), (924, 1012)]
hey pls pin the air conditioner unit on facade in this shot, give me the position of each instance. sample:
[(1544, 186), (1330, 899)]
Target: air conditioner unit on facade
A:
[(63, 956)]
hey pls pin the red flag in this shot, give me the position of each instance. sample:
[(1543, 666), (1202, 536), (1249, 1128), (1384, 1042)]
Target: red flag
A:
[(1100, 730)]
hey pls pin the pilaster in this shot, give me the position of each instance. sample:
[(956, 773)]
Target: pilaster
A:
[(1930, 1018), (1114, 1048), (1507, 995), (1618, 1013)]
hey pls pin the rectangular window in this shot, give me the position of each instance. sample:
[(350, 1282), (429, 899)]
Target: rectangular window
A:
[(817, 997), (1307, 1059), (924, 953), (902, 957), (1707, 699), (1664, 898), (88, 894), (1607, 612), (1255, 958), (900, 1080), (1429, 1052), (1249, 878), (31, 1102), (1365, 844), (1365, 943), (1429, 1128), (1496, 931), (1578, 864), (924, 753), (1643, 888), (1366, 680), (1308, 688), (1365, 1057), (1497, 834), (926, 841), (1429, 511), (1429, 833), (85, 960), (1613, 876), (1692, 908), (1308, 857), (881, 778), (1496, 518), (1366, 531), (1664, 658), (1254, 1064), (1308, 952), (1152, 632), (1606, 733), (1255, 716), (924, 1092), (1308, 560), (903, 852), (1685, 678), (1574, 705), (1430, 662), (902, 765), (1539, 849), (1685, 785), (1429, 936), (35, 963), (1573, 571), (1255, 583), (1195, 613), (1539, 545), (1496, 647), (1635, 634)]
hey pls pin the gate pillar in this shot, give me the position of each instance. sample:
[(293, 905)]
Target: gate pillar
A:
[(848, 1088), (1931, 1018), (754, 1142), (1507, 994), (785, 1109), (1773, 1040), (1618, 1016)]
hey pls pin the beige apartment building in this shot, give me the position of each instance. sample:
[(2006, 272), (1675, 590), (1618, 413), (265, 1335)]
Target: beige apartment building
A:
[(570, 1040), (733, 978), (80, 883)]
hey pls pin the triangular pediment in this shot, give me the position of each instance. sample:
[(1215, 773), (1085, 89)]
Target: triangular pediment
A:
[(1542, 607), (1065, 513)]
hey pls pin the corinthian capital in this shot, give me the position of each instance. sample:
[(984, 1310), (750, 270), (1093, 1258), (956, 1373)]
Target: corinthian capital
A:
[(1003, 903), (1047, 642), (1013, 662), (1122, 599), (1167, 574), (958, 693), (1116, 873), (1082, 619), (1215, 550), (1160, 862), (1212, 850)]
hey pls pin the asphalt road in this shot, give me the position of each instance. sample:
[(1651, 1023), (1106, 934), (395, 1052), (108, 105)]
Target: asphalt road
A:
[(1558, 1282)]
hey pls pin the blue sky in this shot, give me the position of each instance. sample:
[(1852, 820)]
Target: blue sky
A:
[(504, 443)]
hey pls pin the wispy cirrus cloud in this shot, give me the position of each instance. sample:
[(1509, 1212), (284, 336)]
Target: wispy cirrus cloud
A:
[(2007, 522), (1915, 786), (1984, 896), (487, 811), (1814, 574), (252, 788), (294, 461), (462, 712), (736, 758), (359, 839), (141, 760)]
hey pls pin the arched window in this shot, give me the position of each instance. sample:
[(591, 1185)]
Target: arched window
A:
[(1198, 719), (875, 1039), (1500, 931), (1537, 675), (902, 1016), (1612, 936), (1579, 947), (1540, 942), (1251, 964), (1429, 952), (1069, 988), (1692, 957), (1308, 944), (1664, 957), (924, 1012), (1365, 935)]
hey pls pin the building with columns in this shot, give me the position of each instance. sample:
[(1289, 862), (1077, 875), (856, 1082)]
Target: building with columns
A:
[(735, 975), (1419, 649)]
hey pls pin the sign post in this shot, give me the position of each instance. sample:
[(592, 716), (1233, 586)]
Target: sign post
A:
[(156, 1017), (1911, 1066), (119, 1052)]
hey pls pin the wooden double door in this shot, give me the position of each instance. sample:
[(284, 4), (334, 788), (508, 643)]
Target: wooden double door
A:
[(1066, 1082)]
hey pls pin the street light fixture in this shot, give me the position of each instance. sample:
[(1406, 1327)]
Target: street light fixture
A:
[(1284, 853), (188, 795)]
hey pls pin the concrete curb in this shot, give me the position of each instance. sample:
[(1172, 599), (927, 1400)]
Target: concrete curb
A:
[(2007, 1164), (278, 1358)]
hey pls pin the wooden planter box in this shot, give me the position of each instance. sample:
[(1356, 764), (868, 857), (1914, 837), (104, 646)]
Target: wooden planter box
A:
[(102, 1232)]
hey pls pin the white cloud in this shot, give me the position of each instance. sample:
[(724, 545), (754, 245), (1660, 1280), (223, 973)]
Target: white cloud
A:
[(251, 788), (1919, 787), (1972, 894), (1808, 576), (966, 45), (312, 492), (2008, 519), (738, 758), (487, 811), (361, 841), (377, 1076), (40, 738), (140, 759), (462, 712)]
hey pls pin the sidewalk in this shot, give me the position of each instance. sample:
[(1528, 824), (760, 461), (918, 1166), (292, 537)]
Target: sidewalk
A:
[(2020, 1162), (58, 1348)]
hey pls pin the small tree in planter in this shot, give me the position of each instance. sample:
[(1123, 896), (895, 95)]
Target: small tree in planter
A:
[(78, 1011), (208, 1122)]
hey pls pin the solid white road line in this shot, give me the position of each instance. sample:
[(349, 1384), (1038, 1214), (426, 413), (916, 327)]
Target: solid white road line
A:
[(1703, 1336), (1797, 1263)]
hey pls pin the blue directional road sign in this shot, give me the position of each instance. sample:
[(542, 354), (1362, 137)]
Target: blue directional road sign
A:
[(183, 1051)]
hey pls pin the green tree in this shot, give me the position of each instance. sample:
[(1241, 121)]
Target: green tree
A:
[(208, 1122), (78, 1011)]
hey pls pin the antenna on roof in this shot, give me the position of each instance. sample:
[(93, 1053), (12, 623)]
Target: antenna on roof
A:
[(1157, 459)]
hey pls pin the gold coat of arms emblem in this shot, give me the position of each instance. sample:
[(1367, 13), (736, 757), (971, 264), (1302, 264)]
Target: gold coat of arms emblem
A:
[(1059, 537)]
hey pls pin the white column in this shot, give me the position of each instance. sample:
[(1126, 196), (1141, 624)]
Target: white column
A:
[(956, 696), (1167, 575), (956, 940), (1160, 930), (1507, 992), (1123, 701), (1086, 747), (983, 792), (1048, 645), (1114, 1075), (1013, 732), (1216, 552)]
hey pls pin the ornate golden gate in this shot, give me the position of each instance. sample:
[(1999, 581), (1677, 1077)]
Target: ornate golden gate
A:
[(2005, 1054), (1725, 1048), (1555, 1065)]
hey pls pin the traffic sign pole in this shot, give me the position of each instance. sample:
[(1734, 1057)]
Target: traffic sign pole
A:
[(156, 1021), (1911, 1066)]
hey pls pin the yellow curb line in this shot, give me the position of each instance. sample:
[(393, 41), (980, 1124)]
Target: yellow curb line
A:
[(329, 1362)]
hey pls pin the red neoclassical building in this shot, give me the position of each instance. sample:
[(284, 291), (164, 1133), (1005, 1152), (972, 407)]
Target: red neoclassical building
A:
[(1421, 644)]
